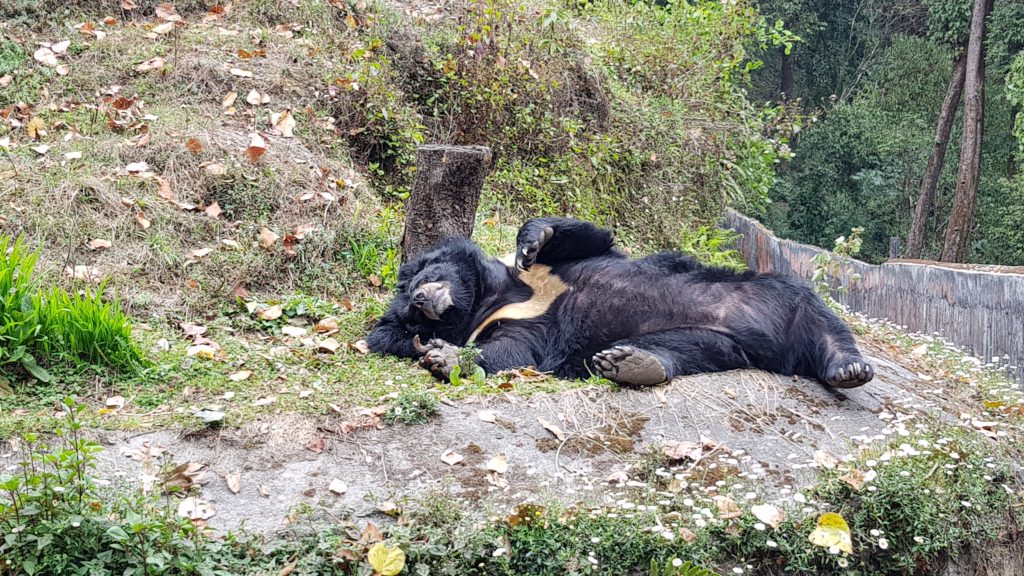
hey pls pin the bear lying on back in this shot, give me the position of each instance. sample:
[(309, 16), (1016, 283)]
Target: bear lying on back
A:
[(573, 305)]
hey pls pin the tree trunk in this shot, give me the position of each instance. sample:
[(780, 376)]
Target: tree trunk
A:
[(961, 217), (915, 243), (444, 196), (787, 85)]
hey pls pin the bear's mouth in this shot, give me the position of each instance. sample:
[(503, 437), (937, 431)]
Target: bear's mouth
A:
[(432, 298)]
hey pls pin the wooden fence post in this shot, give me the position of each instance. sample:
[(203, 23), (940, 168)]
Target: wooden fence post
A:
[(444, 196)]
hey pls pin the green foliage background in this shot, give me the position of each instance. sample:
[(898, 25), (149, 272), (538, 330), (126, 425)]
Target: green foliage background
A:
[(874, 73)]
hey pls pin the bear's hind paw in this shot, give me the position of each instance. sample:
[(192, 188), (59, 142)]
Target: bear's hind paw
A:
[(630, 366)]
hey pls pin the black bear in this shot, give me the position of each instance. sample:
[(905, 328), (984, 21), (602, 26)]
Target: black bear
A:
[(572, 304)]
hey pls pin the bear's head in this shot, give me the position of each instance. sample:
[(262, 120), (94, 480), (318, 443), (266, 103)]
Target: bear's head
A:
[(435, 298)]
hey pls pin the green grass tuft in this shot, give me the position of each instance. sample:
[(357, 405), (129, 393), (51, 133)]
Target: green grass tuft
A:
[(53, 326)]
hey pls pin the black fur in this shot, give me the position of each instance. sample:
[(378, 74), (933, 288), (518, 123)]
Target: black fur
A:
[(634, 321)]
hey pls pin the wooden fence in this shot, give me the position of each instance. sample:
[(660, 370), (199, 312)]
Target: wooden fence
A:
[(979, 310)]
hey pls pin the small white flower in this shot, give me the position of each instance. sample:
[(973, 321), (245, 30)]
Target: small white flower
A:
[(966, 504), (668, 535), (595, 540), (499, 552), (677, 562), (883, 543), (833, 549), (771, 544), (919, 539), (843, 563), (874, 532), (760, 526), (737, 570)]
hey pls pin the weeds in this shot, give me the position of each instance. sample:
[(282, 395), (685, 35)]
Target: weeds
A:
[(412, 406)]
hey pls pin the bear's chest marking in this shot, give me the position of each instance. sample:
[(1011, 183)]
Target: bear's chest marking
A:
[(546, 287)]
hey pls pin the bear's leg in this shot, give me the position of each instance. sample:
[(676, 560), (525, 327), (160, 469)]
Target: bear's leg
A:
[(555, 240), (655, 358), (826, 347)]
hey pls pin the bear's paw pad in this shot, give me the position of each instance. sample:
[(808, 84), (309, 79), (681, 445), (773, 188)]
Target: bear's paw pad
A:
[(630, 366)]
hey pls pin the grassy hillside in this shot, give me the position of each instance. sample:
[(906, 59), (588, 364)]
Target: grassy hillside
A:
[(209, 161)]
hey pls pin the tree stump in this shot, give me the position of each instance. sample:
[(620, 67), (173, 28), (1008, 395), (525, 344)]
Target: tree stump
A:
[(444, 196)]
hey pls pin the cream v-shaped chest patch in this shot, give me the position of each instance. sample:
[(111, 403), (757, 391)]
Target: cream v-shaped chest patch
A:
[(546, 287)]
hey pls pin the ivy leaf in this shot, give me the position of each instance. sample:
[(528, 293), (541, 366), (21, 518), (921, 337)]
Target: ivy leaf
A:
[(387, 560)]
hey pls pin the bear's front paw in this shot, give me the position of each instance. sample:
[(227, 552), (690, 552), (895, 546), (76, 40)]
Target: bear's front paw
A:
[(530, 244), (439, 357)]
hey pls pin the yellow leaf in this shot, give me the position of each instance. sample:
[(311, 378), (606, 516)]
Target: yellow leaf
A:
[(831, 532), (36, 127), (387, 560)]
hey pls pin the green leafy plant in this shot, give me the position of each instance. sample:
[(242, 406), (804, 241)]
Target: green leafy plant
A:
[(412, 406), (54, 325), (82, 327), (20, 330), (713, 246), (828, 265)]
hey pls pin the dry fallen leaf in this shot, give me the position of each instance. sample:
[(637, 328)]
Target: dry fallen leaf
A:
[(487, 416), (727, 507), (552, 428), (824, 459), (45, 56), (257, 148), (99, 244), (769, 514), (150, 65), (115, 402), (163, 28), (229, 99), (498, 464), (272, 313), (213, 210), (329, 324), (204, 351), (328, 345), (142, 221), (200, 252), (36, 128), (284, 123), (451, 457), (855, 478), (195, 508), (267, 238), (253, 97), (234, 481), (240, 73), (265, 401), (167, 12), (294, 331), (360, 346), (338, 487), (675, 450), (240, 375)]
